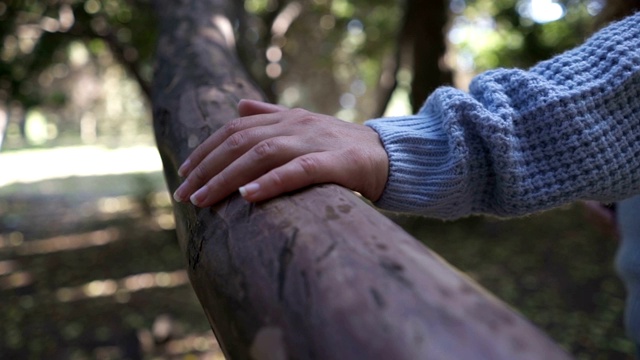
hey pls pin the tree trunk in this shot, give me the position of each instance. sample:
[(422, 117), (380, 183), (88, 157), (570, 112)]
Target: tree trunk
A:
[(317, 274), (426, 23), (421, 46), (615, 10)]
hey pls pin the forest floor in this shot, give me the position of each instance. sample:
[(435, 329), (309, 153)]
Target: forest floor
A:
[(90, 267)]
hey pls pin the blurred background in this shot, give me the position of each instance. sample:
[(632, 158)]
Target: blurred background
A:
[(89, 264)]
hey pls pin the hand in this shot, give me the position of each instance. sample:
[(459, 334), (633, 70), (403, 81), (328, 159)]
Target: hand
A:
[(271, 150)]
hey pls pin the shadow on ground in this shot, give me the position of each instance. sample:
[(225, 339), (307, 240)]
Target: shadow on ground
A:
[(556, 268), (90, 269)]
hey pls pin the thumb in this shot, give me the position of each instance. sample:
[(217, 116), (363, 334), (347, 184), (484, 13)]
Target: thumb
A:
[(254, 107)]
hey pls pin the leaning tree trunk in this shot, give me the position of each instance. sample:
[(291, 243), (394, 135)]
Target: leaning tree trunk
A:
[(317, 274)]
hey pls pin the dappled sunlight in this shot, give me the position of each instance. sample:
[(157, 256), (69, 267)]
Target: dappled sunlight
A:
[(279, 28), (8, 266), (17, 279), (59, 243), (202, 343), (14, 238), (165, 221), (183, 348), (116, 204), (159, 279), (399, 103), (542, 11), (226, 29), (3, 123), (87, 252), (38, 165), (120, 289)]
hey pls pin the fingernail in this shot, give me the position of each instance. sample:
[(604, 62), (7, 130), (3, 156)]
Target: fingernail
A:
[(249, 189), (199, 196), (183, 168), (177, 196)]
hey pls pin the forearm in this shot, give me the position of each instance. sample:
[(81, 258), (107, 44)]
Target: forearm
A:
[(524, 141)]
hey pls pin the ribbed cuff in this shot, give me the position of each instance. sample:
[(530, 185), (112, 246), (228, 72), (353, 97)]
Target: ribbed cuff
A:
[(425, 173)]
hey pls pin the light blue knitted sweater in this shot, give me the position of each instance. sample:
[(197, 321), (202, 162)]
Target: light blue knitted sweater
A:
[(524, 141)]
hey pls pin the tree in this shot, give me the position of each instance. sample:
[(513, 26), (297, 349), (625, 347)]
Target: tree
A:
[(39, 42), (329, 49), (319, 273)]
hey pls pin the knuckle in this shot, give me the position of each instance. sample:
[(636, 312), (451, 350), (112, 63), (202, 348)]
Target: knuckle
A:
[(236, 140), (266, 148), (223, 181), (308, 120), (309, 165), (353, 155), (231, 127), (199, 175), (197, 155), (298, 112), (277, 180), (303, 117)]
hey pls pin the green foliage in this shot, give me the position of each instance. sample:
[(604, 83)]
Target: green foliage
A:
[(39, 59), (259, 6), (328, 56), (504, 33)]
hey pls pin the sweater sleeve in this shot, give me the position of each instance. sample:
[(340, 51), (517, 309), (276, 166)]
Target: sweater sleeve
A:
[(524, 141)]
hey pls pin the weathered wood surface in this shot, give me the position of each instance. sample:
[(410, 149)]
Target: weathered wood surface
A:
[(317, 274)]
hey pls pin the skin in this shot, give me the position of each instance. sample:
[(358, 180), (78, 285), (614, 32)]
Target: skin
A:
[(270, 150)]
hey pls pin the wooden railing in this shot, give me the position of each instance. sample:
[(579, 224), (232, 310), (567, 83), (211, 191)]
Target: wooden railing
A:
[(318, 274)]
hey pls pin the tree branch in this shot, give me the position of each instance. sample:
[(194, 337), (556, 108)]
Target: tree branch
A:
[(317, 274)]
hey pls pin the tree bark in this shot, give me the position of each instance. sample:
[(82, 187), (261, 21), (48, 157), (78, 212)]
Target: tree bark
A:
[(421, 46), (615, 10), (317, 274), (426, 28)]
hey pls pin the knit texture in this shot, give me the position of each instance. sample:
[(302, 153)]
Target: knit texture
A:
[(523, 141)]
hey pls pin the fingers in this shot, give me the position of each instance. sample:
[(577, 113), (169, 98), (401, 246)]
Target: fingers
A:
[(269, 154), (303, 171), (253, 107), (269, 151), (263, 140), (362, 171), (247, 109)]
